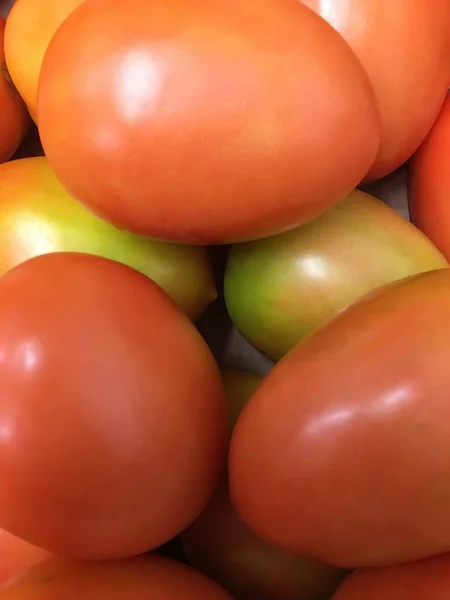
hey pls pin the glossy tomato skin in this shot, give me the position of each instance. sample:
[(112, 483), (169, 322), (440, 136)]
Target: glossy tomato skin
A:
[(14, 118), (112, 409), (17, 555), (38, 216), (140, 578), (280, 289), (342, 453), (428, 579), (399, 44), (222, 547), (429, 183), (205, 116), (30, 26)]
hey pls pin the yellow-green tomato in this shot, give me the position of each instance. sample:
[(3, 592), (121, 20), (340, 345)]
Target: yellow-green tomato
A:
[(38, 216), (280, 289)]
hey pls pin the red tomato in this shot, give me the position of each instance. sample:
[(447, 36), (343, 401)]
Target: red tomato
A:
[(221, 546), (14, 118), (342, 454), (209, 122), (134, 579), (405, 47), (112, 418), (429, 183), (16, 555), (424, 580)]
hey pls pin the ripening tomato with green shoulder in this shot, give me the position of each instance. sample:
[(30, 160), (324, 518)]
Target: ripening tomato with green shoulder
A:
[(429, 183), (139, 578), (399, 43), (280, 289), (427, 579), (17, 555), (342, 453), (222, 547), (38, 216), (112, 411), (203, 115), (30, 26), (14, 117)]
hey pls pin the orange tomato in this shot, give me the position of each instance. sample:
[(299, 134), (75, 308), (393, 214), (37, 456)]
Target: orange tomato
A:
[(429, 183), (16, 555), (400, 43), (37, 216), (423, 580), (30, 26), (134, 579), (113, 423), (342, 454), (209, 122), (14, 118)]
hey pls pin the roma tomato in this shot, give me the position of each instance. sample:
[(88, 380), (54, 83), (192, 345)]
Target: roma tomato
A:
[(112, 414), (222, 547), (37, 216), (134, 579), (212, 122), (342, 454), (400, 43), (14, 118), (429, 183), (30, 26), (427, 579), (16, 555), (280, 289)]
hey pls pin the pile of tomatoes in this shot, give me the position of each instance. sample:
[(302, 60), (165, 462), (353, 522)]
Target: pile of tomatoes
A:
[(224, 361)]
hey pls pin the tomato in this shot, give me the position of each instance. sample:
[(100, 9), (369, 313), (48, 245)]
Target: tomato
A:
[(16, 555), (212, 122), (37, 216), (399, 44), (133, 579), (222, 547), (342, 454), (428, 579), (112, 416), (280, 289), (429, 183), (30, 27), (14, 118)]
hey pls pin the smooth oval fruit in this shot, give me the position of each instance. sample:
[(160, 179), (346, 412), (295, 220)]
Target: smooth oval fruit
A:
[(134, 579), (37, 216), (222, 547), (214, 122), (280, 289), (30, 26), (420, 53), (113, 422), (342, 454), (16, 555), (428, 579), (429, 183), (14, 118)]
